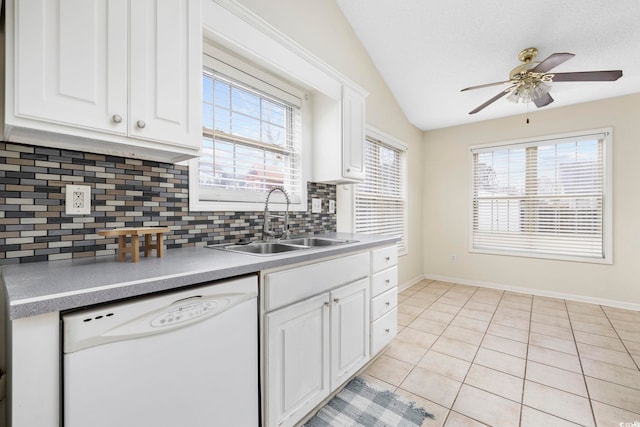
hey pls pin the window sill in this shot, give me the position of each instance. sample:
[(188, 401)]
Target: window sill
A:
[(550, 257)]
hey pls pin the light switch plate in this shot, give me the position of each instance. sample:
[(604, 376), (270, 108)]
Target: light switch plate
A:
[(316, 205), (332, 206), (78, 200)]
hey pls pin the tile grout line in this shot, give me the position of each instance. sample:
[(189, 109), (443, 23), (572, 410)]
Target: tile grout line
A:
[(474, 356), (414, 365), (556, 367), (628, 353), (439, 336), (584, 376), (526, 362), (620, 338), (429, 349)]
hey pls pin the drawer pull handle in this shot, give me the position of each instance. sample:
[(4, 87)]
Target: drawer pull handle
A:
[(387, 259), (387, 303), (387, 330), (336, 300), (387, 281)]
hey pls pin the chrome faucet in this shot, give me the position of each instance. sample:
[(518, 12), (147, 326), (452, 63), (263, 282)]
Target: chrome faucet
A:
[(266, 229)]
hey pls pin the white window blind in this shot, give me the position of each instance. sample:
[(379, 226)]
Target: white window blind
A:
[(380, 202), (542, 198), (250, 137)]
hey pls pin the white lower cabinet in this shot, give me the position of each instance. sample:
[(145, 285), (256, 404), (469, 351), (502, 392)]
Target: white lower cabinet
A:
[(349, 330), (383, 330), (298, 354), (322, 322), (384, 297), (313, 346), (384, 303)]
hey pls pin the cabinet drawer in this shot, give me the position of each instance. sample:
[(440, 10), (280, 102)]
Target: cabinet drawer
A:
[(384, 303), (384, 258), (383, 330), (295, 284), (384, 280)]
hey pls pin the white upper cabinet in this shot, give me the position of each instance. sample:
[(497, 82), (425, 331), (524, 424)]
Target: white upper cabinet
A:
[(80, 73), (165, 70), (353, 119), (338, 137), (71, 62)]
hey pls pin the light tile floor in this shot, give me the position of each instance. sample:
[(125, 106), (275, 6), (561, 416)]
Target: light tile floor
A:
[(476, 356)]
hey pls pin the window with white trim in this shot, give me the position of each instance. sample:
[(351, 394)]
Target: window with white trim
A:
[(251, 137), (380, 201), (545, 198)]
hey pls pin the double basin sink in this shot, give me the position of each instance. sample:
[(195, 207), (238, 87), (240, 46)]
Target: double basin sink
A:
[(281, 246)]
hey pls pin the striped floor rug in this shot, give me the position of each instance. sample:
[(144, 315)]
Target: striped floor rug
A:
[(361, 404)]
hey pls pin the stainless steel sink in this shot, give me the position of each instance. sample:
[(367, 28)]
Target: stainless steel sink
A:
[(315, 241), (274, 248), (262, 248)]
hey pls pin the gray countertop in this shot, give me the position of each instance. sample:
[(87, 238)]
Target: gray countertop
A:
[(37, 288)]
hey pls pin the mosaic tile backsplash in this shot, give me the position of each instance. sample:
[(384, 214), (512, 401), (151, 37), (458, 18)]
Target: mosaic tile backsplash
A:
[(124, 193)]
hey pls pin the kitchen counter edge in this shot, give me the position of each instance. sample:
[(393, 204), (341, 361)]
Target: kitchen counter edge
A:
[(43, 287)]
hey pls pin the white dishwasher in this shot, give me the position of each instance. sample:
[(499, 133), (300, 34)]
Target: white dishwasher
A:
[(186, 358)]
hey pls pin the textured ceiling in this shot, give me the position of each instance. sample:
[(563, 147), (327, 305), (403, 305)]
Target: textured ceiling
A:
[(426, 51)]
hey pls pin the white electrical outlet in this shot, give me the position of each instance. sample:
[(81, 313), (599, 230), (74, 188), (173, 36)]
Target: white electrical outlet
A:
[(316, 205), (78, 200), (332, 206)]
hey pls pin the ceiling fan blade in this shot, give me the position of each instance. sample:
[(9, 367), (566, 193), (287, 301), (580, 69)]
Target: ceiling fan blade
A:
[(491, 101), (588, 76), (484, 85), (545, 99), (552, 61)]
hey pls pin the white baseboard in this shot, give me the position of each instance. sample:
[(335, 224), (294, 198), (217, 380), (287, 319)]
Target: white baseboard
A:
[(410, 283), (539, 292)]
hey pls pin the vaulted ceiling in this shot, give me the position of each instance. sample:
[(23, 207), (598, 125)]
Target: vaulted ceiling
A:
[(426, 51)]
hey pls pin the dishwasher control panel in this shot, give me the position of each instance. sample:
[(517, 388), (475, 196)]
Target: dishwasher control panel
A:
[(185, 312), (153, 314)]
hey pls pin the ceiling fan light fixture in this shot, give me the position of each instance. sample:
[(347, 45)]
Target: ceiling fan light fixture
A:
[(531, 80), (528, 92)]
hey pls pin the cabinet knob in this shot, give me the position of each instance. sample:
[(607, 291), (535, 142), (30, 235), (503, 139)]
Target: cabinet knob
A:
[(387, 303), (327, 303), (140, 124), (348, 169), (387, 281), (387, 259), (116, 118), (336, 300), (387, 330)]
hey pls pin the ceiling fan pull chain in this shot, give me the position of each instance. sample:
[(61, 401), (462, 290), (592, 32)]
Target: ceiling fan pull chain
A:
[(527, 113)]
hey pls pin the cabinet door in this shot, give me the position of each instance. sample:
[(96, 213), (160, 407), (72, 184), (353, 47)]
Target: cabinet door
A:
[(353, 136), (349, 330), (70, 64), (166, 71), (297, 360)]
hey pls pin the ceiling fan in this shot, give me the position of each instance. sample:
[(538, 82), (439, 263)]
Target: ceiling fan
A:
[(531, 81)]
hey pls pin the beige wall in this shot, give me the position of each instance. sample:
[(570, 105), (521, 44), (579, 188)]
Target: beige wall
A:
[(446, 203), (320, 27)]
